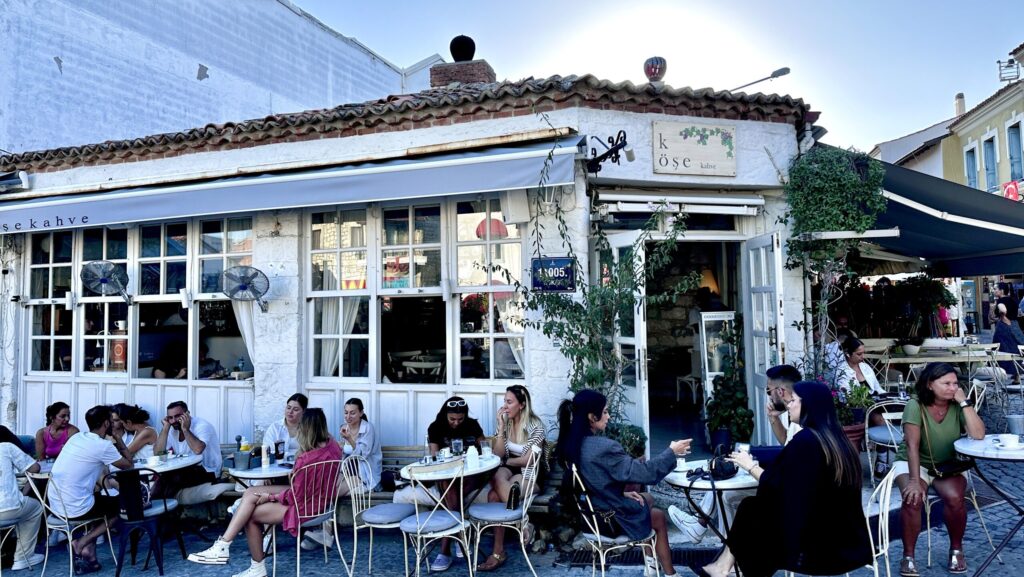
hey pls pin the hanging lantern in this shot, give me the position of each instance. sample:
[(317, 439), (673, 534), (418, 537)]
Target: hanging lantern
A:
[(498, 229)]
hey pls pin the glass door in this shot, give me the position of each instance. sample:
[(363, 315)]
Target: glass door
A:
[(630, 340)]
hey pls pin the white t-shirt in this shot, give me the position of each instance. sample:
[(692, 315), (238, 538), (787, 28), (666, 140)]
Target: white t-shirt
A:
[(278, 431), (791, 430), (205, 432), (845, 374), (76, 471), (12, 461)]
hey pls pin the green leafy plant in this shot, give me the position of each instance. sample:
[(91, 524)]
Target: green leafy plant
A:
[(631, 437), (850, 406), (829, 189), (729, 408)]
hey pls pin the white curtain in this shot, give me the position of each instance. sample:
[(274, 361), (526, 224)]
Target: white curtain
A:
[(245, 317), (506, 309), (330, 321), (350, 310)]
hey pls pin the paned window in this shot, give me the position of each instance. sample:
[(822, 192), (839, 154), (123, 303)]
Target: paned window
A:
[(223, 243), (49, 281), (971, 166), (1015, 152), (484, 242), (989, 152), (411, 255), (163, 258), (341, 336), (338, 247)]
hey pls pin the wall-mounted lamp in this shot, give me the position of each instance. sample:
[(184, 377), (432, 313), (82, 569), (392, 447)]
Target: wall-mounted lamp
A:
[(186, 299), (10, 181), (615, 144)]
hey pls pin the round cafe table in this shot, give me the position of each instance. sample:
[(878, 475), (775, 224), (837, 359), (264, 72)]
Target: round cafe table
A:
[(171, 464), (989, 449), (488, 464), (271, 473), (742, 481)]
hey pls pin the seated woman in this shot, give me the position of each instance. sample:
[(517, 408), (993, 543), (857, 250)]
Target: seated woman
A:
[(1009, 337), (273, 504), (359, 437), (286, 430), (606, 469), (139, 435), (939, 415), (51, 438), (518, 430), (813, 490), (855, 371), (452, 422)]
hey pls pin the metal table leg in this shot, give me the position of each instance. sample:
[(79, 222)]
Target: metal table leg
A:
[(1006, 540)]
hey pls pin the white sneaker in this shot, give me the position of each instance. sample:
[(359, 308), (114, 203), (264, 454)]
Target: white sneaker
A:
[(21, 563), (441, 563), (688, 524), (319, 537), (101, 539), (457, 551), (255, 570), (650, 567), (218, 554), (55, 538)]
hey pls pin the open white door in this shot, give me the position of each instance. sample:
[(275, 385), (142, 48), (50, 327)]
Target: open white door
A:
[(765, 325), (631, 340)]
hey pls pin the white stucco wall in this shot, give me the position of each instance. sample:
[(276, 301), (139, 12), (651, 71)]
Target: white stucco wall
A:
[(930, 162), (129, 69)]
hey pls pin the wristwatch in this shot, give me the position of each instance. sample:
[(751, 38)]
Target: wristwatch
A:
[(966, 403)]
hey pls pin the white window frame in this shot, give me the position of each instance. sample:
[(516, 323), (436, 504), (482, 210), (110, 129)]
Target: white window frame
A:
[(972, 146), (411, 247), (1016, 118), (163, 259), (85, 299), (225, 255), (53, 301)]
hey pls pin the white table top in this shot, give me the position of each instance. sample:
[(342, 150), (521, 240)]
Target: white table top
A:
[(486, 464), (173, 464), (988, 448), (274, 471), (677, 478)]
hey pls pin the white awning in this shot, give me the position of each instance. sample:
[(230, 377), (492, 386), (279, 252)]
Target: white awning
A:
[(487, 170)]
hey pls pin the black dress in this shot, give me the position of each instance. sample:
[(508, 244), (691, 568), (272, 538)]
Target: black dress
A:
[(800, 520)]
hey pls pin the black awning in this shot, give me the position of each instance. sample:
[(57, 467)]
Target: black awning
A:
[(955, 248)]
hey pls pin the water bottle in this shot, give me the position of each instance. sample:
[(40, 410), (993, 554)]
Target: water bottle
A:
[(426, 449), (241, 364), (901, 387)]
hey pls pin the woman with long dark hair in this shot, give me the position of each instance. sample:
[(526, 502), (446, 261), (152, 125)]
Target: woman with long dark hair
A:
[(52, 438), (811, 493), (606, 469), (286, 431), (855, 371), (939, 415), (359, 437), (273, 504), (139, 434)]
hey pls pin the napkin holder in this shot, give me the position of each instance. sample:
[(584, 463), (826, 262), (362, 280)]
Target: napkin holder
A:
[(245, 460)]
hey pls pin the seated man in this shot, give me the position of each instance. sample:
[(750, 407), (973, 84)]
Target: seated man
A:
[(76, 472), (185, 434), (209, 368), (781, 379)]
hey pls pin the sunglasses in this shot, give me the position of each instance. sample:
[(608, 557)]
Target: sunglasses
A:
[(454, 404)]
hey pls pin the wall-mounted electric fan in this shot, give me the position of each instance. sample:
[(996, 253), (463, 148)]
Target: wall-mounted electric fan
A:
[(245, 283), (105, 278)]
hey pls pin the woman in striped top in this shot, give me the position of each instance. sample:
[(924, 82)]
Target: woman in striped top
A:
[(518, 430)]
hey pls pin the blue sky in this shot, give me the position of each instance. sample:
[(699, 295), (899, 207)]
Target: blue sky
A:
[(875, 69)]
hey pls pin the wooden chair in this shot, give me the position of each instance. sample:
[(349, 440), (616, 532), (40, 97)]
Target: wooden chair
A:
[(365, 516), (486, 516), (602, 545), (429, 524), (314, 508), (428, 371), (57, 518)]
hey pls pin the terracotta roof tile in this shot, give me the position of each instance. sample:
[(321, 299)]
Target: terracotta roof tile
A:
[(457, 102)]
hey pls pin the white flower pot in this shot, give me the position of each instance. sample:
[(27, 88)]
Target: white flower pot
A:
[(911, 350)]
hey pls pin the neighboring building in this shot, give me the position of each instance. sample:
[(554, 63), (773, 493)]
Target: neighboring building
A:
[(79, 71), (921, 150), (372, 221)]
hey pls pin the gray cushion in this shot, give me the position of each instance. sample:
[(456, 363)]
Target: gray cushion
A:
[(881, 434), (430, 522), (388, 513), (156, 507), (495, 513), (317, 521), (620, 540)]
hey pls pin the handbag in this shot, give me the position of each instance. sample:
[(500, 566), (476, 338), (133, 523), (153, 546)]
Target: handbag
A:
[(945, 469)]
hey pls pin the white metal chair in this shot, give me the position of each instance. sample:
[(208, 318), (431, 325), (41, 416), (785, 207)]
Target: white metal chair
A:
[(429, 371), (602, 545), (486, 516), (429, 524), (971, 496), (383, 516), (978, 392), (6, 528), (314, 507), (878, 504), (57, 518), (889, 434)]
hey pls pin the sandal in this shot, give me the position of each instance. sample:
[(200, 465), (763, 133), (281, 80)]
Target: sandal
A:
[(493, 562), (84, 566), (957, 561), (908, 568)]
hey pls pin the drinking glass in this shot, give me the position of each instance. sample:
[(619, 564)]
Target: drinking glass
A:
[(457, 446), (901, 387), (485, 448)]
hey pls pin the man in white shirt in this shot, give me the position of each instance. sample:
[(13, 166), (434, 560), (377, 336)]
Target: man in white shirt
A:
[(76, 471), (781, 379), (185, 435)]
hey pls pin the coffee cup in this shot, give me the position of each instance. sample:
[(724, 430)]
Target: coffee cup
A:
[(153, 460), (680, 462), (1009, 441), (121, 325)]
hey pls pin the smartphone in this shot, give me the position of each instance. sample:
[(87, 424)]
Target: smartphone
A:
[(286, 465), (742, 447)]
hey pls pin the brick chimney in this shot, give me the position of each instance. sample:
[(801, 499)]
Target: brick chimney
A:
[(465, 72), (959, 107)]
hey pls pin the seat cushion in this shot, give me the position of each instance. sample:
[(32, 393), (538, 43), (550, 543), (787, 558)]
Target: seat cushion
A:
[(495, 513), (882, 435), (319, 520), (430, 522), (156, 508), (388, 513), (620, 540), (202, 493)]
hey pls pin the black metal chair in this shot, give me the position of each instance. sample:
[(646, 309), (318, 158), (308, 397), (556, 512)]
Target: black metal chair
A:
[(133, 486)]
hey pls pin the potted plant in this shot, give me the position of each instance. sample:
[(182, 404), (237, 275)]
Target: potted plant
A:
[(631, 437), (729, 417), (910, 345), (851, 406)]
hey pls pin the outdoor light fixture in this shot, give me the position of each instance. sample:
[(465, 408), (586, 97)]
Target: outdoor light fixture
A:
[(780, 72), (615, 145), (14, 181)]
